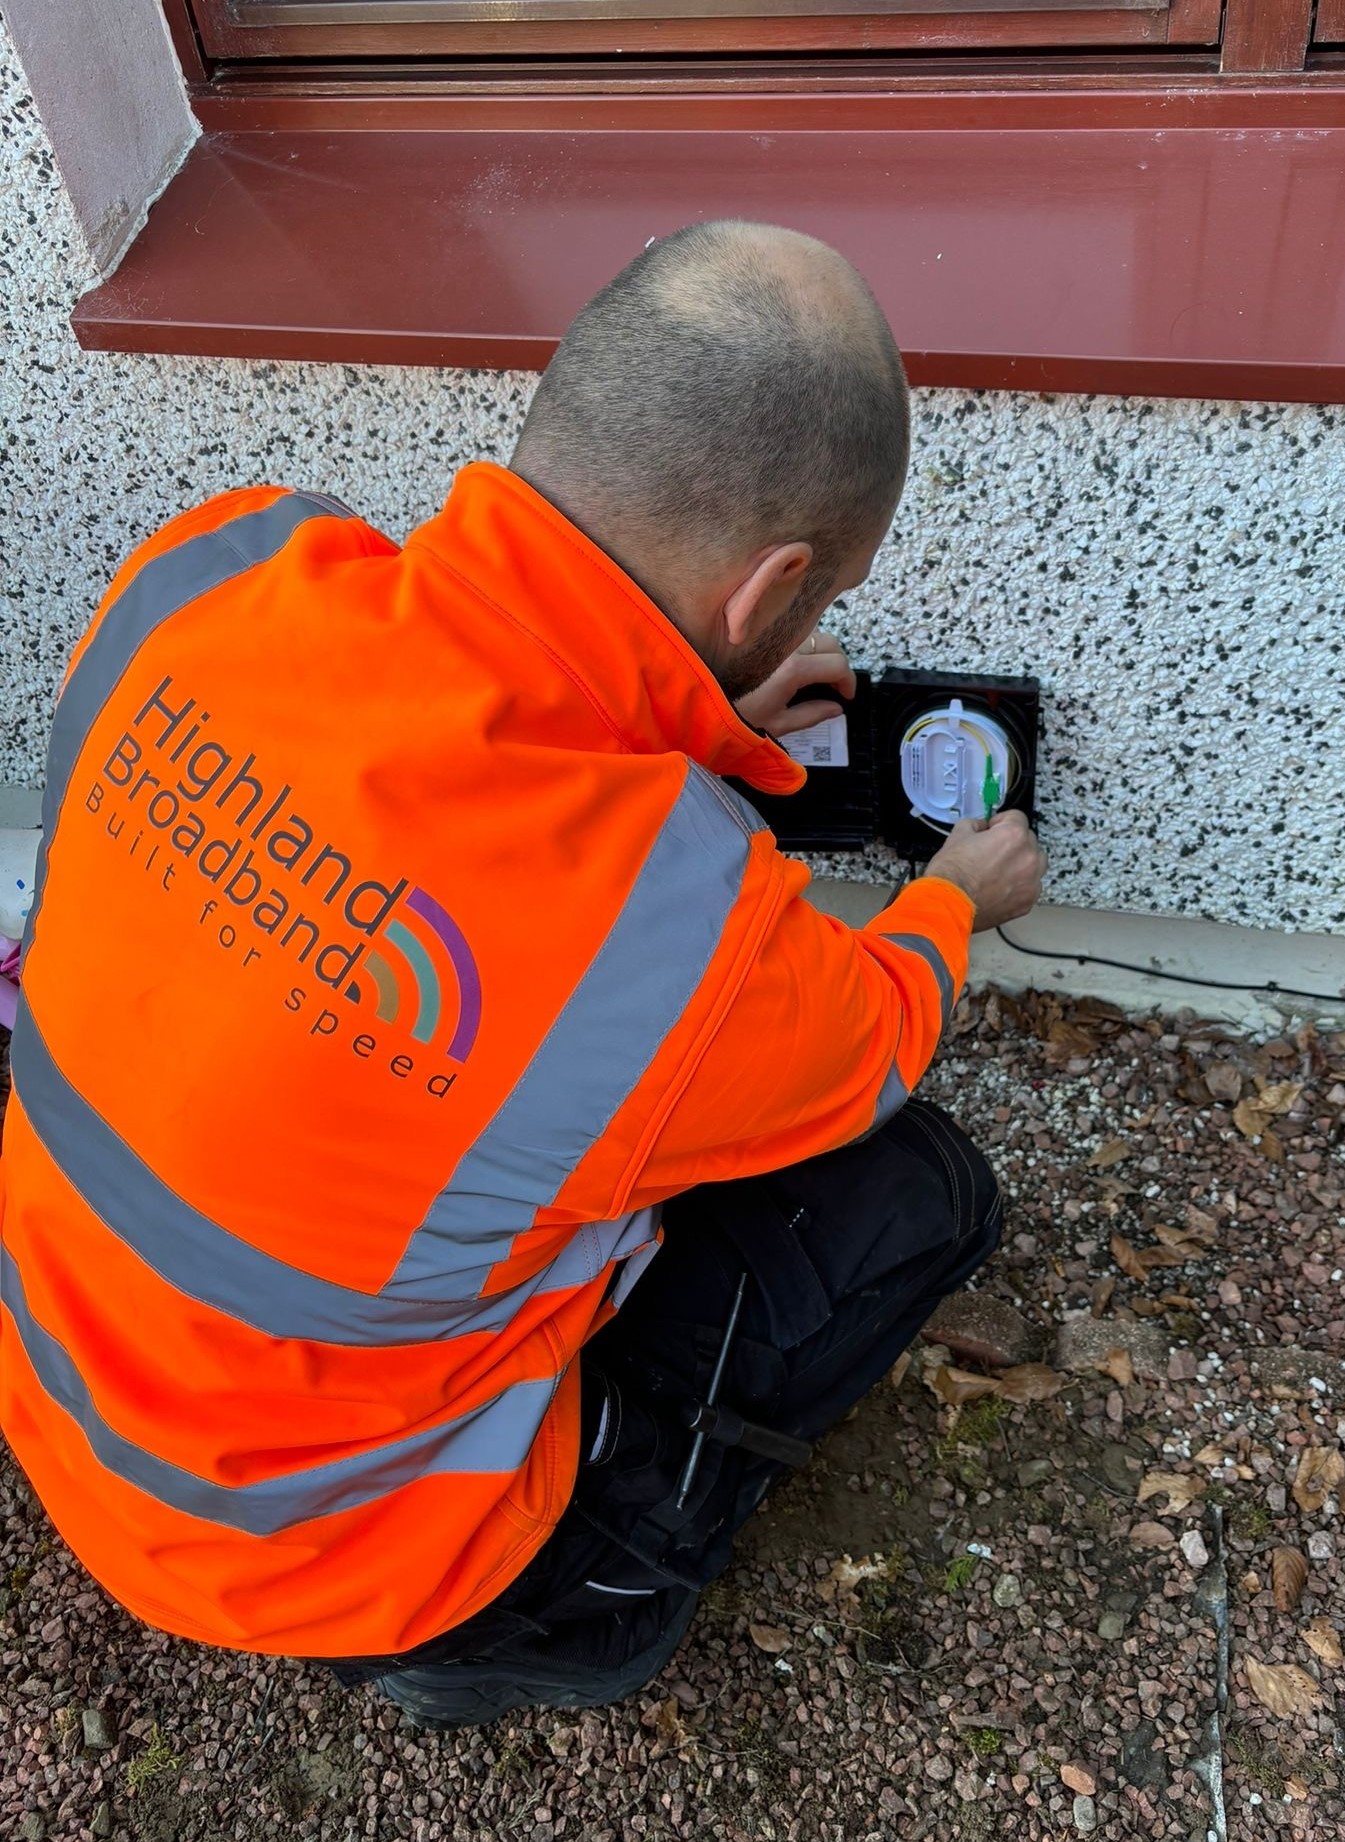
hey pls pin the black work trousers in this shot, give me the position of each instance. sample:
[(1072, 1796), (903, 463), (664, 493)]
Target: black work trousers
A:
[(846, 1255)]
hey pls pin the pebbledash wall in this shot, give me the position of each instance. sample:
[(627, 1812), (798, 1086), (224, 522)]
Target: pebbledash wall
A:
[(1174, 572)]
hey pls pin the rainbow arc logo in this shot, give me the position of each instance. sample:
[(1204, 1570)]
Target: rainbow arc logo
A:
[(407, 977)]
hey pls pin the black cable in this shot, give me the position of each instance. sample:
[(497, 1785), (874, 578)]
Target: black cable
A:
[(1176, 978), (1149, 972)]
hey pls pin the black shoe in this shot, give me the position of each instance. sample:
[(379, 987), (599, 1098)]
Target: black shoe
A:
[(471, 1694)]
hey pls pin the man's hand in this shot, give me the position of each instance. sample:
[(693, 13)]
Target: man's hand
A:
[(999, 864), (820, 660)]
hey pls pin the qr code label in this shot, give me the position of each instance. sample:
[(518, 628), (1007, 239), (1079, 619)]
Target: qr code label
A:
[(824, 745)]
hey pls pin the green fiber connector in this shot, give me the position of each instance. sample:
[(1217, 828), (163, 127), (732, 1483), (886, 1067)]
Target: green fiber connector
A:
[(990, 789)]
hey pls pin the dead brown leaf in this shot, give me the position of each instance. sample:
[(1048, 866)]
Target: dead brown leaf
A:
[(896, 1375), (1278, 1096), (1321, 1637), (1064, 1041), (963, 1018), (839, 1585), (1030, 1381), (1126, 1258), (958, 1386), (1180, 1490), (1223, 1081), (1321, 1470), (1296, 1789), (1111, 1188), (1209, 1455), (1251, 1119), (1288, 1577), (1253, 1114), (1102, 1294), (1111, 1153), (1282, 1688), (1138, 1263), (848, 1573), (1099, 1010), (1203, 1226), (668, 1724), (770, 1638), (1118, 1364), (1186, 1245), (1151, 1257), (1152, 1535)]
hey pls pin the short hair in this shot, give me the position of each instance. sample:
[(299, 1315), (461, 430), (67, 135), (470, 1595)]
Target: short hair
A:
[(734, 386)]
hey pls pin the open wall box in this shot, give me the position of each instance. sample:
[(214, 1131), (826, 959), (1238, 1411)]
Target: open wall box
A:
[(925, 748)]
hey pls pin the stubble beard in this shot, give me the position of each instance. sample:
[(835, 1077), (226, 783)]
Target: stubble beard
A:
[(752, 668)]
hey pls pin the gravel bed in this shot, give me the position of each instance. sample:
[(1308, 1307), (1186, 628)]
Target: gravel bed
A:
[(959, 1623)]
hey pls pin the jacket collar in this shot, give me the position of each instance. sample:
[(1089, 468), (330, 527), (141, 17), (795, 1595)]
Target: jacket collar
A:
[(520, 553)]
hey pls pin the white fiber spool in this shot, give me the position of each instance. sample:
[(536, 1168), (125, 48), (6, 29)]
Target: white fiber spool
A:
[(956, 764)]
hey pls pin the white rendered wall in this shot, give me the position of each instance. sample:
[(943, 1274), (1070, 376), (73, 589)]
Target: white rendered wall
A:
[(1174, 572), (113, 104)]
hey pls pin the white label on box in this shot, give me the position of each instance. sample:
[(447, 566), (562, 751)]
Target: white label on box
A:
[(824, 745)]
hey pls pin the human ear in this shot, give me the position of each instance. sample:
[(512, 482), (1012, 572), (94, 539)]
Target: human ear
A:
[(765, 592)]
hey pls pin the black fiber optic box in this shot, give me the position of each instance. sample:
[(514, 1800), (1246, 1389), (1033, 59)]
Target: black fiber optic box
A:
[(846, 808)]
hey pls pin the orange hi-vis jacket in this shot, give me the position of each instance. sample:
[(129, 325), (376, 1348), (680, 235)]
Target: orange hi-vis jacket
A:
[(399, 949)]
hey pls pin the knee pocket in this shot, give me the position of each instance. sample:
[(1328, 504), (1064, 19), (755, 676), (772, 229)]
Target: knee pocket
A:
[(973, 1188)]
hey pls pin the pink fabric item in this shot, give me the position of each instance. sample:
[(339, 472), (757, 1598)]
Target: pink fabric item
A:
[(9, 981)]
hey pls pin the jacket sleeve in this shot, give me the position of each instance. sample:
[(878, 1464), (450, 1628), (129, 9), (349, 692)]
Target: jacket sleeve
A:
[(829, 1032)]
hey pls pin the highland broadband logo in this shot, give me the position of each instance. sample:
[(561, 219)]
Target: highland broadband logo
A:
[(405, 979), (175, 797)]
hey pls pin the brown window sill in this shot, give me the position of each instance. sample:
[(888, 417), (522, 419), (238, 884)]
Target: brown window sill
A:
[(1159, 245)]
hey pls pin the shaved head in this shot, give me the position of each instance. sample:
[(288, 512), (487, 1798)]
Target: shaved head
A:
[(737, 387)]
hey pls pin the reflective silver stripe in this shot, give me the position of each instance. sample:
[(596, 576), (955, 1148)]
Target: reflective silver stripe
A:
[(917, 943), (635, 991), (739, 808), (164, 585), (892, 1096), (637, 1261), (196, 1254), (207, 1263), (593, 1248), (495, 1437)]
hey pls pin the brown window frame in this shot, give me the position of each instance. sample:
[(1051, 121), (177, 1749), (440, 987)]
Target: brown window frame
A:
[(1206, 42), (239, 30), (1329, 28), (1164, 223)]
